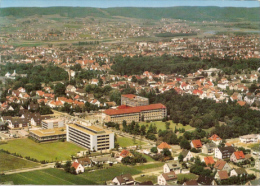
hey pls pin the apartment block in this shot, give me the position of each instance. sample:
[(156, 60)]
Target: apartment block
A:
[(90, 137), (52, 123), (141, 113), (133, 100)]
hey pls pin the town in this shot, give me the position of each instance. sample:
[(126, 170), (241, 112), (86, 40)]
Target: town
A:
[(129, 101)]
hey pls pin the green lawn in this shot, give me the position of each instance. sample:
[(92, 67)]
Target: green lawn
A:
[(148, 158), (149, 166), (125, 142), (209, 130), (188, 176), (147, 178), (47, 177), (161, 125), (255, 147), (42, 151), (256, 170), (59, 177), (9, 162)]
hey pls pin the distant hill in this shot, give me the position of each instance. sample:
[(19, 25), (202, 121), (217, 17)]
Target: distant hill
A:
[(185, 13)]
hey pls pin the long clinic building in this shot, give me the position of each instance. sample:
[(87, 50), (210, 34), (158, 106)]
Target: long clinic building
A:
[(141, 113), (90, 137)]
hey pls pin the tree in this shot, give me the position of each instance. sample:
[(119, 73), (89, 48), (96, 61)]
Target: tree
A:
[(134, 79), (167, 125), (180, 158), (166, 152), (67, 166), (154, 150), (59, 89), (184, 144)]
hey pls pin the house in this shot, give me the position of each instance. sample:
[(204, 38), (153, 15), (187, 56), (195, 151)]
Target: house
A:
[(208, 148), (191, 182), (104, 160), (125, 153), (78, 167), (224, 152), (209, 160), (70, 88), (162, 146), (206, 180), (238, 172), (18, 123), (221, 175), (251, 138), (85, 162), (145, 183), (187, 155), (196, 144), (169, 178), (215, 139), (172, 166), (124, 179), (222, 165), (237, 156), (33, 106)]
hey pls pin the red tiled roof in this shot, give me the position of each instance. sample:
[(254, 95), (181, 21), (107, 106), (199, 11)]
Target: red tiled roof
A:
[(164, 145), (124, 153), (196, 143), (134, 109), (239, 155), (209, 160), (75, 165), (220, 164), (130, 96), (123, 107), (215, 137), (223, 175)]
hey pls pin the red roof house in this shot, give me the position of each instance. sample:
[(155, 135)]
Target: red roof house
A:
[(196, 144)]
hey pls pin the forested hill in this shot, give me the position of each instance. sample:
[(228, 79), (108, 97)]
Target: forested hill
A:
[(185, 13)]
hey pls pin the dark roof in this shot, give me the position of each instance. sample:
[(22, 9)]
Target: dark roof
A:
[(7, 117), (229, 149), (184, 152), (145, 183), (205, 180), (191, 182), (124, 178), (33, 106), (241, 171), (19, 121), (84, 161)]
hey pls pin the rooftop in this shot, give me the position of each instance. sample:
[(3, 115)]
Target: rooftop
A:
[(49, 132), (92, 130)]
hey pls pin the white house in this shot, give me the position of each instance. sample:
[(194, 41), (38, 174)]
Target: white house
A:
[(237, 156), (78, 167), (124, 179), (238, 171), (167, 178), (187, 155), (172, 166), (251, 138), (224, 152)]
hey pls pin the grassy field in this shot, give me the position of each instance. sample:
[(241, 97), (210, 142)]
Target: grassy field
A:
[(59, 177), (147, 178), (149, 166), (148, 158), (161, 125), (188, 176), (255, 147), (9, 162), (126, 142), (42, 151)]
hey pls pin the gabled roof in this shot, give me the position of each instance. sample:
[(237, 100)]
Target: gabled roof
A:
[(220, 164), (215, 137), (191, 182), (75, 165), (224, 150), (169, 176), (164, 145), (209, 160), (239, 155), (205, 180), (125, 178), (240, 171), (185, 152), (125, 153), (223, 175), (197, 143)]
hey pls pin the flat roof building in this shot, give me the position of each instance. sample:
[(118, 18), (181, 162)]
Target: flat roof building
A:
[(90, 137), (52, 123), (43, 135)]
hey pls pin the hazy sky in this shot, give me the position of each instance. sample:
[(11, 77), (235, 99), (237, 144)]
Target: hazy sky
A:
[(127, 3)]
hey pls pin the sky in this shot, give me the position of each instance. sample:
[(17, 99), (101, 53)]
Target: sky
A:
[(128, 3)]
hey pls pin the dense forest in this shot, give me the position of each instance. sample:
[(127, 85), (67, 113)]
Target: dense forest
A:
[(184, 13), (206, 113), (167, 64)]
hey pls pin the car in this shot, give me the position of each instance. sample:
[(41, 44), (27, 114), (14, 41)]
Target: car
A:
[(142, 175)]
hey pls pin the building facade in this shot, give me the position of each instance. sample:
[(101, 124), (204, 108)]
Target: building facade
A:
[(133, 100), (43, 135), (141, 113), (52, 123), (90, 137)]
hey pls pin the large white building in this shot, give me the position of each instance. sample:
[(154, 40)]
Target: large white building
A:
[(90, 137), (52, 123)]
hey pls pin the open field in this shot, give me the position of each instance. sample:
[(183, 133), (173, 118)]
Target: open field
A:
[(42, 151), (59, 177), (9, 162), (47, 177), (148, 158), (147, 178), (188, 176), (126, 142), (148, 166), (161, 125)]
